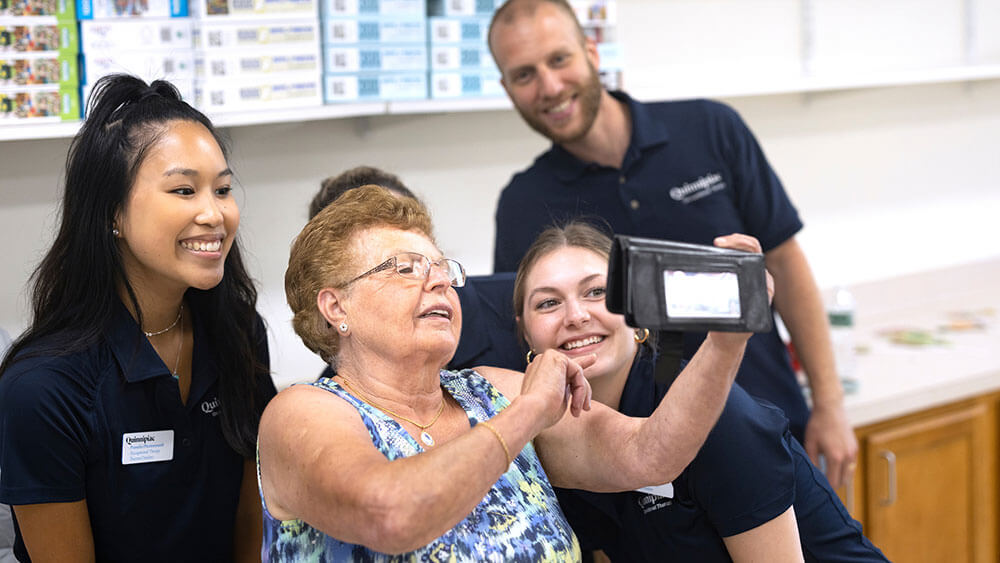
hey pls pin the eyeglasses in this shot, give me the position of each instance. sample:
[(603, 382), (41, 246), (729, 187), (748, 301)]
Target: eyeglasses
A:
[(415, 266)]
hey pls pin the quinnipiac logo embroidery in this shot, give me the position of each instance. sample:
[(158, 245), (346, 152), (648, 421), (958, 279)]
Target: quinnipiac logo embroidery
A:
[(211, 406), (649, 503), (697, 189)]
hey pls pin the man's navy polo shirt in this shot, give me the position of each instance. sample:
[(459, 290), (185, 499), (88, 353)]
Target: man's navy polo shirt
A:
[(489, 331), (693, 171), (749, 471), (62, 422)]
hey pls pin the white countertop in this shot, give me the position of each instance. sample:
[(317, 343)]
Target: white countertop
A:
[(897, 379)]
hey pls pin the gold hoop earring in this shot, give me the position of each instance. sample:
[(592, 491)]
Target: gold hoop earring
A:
[(528, 356), (641, 335)]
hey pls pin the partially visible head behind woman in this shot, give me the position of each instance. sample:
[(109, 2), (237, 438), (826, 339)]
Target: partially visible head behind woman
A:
[(322, 255), (335, 186), (576, 234)]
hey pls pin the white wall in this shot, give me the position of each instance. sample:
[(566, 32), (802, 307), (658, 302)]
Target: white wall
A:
[(888, 181)]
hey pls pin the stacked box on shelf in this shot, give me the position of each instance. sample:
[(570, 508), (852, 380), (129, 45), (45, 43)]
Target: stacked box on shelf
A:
[(374, 50), (257, 55), (461, 64), (153, 48), (599, 21), (39, 76)]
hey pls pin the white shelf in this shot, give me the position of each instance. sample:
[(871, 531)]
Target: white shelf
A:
[(707, 88), (28, 131)]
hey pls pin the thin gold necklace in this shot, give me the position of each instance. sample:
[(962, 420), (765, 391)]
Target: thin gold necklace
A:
[(425, 437), (172, 325)]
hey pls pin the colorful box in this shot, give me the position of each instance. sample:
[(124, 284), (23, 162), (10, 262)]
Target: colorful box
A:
[(461, 57), (375, 58), (291, 35), (248, 64), (367, 29), (141, 33), (54, 37), (62, 10), (222, 9), (33, 69), (462, 7), (406, 8), (374, 86), (221, 96), (466, 84), (40, 104), (110, 9), (458, 30)]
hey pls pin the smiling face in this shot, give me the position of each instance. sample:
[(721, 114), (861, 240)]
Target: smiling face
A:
[(395, 317), (180, 219), (564, 309), (549, 72)]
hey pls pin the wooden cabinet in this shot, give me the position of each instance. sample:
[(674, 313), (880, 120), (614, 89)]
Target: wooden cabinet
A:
[(926, 486)]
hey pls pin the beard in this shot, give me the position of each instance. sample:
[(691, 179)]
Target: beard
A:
[(589, 102)]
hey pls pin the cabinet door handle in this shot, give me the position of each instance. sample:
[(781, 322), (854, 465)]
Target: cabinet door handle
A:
[(890, 459)]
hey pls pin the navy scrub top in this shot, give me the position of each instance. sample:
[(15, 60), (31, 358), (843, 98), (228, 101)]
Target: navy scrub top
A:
[(63, 422), (693, 171), (749, 471)]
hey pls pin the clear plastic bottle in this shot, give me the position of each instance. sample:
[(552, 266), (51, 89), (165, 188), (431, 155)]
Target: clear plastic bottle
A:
[(841, 315)]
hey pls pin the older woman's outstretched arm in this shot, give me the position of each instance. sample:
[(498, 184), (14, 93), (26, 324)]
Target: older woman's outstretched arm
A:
[(604, 450)]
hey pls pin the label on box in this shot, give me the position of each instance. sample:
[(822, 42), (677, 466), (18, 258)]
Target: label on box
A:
[(148, 65), (374, 7), (230, 95), (461, 57), (462, 7), (466, 84), (103, 9), (43, 104), (58, 38), (241, 65), (228, 35), (459, 30), (243, 8), (123, 35), (374, 30), (38, 69), (375, 86), (375, 58), (62, 10)]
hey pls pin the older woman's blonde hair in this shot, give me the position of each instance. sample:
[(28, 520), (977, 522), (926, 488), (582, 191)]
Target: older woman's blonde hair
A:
[(322, 256)]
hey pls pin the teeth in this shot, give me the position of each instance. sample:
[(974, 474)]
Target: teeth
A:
[(561, 107), (437, 313), (581, 343), (200, 245)]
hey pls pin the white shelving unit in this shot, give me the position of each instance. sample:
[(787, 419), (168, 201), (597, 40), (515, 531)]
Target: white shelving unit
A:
[(804, 47)]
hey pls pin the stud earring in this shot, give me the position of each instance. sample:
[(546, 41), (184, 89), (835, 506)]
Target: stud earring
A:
[(343, 328), (115, 232), (641, 334)]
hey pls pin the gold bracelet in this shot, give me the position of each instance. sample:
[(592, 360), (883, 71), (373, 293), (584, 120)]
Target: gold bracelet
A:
[(503, 443)]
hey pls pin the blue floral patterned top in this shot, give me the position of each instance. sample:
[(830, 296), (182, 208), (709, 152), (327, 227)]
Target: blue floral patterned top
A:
[(518, 520)]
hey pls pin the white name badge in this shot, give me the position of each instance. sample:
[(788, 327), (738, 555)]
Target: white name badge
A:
[(665, 490), (147, 447)]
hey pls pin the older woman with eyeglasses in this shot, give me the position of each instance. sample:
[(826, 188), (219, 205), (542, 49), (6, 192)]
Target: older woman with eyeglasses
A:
[(396, 457)]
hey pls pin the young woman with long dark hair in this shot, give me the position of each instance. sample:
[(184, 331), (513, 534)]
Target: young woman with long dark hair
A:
[(129, 407)]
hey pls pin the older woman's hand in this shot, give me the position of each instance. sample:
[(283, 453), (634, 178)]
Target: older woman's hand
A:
[(553, 380)]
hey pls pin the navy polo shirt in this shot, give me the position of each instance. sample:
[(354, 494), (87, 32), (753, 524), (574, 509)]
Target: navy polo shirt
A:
[(749, 471), (692, 171), (489, 331), (64, 421)]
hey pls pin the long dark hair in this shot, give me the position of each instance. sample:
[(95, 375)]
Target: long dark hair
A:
[(74, 290)]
